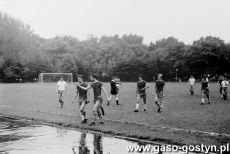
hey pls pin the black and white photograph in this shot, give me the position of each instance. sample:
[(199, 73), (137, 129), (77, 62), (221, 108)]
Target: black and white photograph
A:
[(114, 76)]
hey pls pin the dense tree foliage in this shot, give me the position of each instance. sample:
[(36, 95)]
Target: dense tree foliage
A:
[(24, 54)]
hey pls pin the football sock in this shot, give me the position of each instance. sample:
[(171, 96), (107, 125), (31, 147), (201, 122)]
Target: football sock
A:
[(137, 106), (145, 107), (94, 115), (82, 117), (99, 114), (156, 102), (102, 110)]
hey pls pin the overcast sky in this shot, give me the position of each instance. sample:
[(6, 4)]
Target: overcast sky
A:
[(186, 20)]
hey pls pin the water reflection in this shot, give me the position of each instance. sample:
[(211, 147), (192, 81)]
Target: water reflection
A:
[(97, 143), (82, 148), (61, 131), (22, 138)]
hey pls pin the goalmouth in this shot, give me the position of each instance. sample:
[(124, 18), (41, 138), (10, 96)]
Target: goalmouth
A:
[(54, 77)]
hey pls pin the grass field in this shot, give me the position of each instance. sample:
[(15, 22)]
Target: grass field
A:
[(181, 110)]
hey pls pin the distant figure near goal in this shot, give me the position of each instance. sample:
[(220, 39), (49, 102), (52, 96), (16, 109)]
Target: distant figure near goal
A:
[(54, 77)]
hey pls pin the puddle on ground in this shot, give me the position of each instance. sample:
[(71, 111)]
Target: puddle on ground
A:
[(21, 137)]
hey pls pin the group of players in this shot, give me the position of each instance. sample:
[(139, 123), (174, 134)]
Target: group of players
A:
[(97, 86), (83, 96), (223, 88), (157, 92)]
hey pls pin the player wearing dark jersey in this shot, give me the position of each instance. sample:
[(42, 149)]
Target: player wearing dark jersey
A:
[(204, 90), (97, 87), (141, 94), (114, 90), (220, 85), (159, 87), (82, 97)]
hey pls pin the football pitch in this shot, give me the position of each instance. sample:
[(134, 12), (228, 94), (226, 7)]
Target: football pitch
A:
[(181, 110)]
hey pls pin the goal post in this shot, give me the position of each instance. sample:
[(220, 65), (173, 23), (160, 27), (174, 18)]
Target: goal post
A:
[(54, 77)]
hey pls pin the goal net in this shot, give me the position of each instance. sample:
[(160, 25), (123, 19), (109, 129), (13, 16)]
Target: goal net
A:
[(55, 77)]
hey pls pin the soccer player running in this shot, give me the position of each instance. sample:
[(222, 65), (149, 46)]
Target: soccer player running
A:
[(97, 88), (191, 84), (114, 90), (159, 87), (61, 88), (141, 94), (82, 98), (224, 85), (204, 90)]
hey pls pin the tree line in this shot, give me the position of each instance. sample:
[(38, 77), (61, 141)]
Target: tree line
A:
[(24, 54)]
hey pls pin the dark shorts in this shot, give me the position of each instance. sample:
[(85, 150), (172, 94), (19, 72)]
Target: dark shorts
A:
[(81, 100), (61, 92), (114, 92), (205, 91), (160, 94), (99, 98), (142, 95), (225, 89)]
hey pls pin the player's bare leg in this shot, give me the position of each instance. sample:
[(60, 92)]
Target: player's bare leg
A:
[(109, 99), (207, 95), (202, 99), (145, 103), (116, 99), (83, 113), (191, 89), (96, 113), (102, 110), (160, 102), (224, 93), (137, 104), (156, 102), (99, 109), (221, 91), (61, 99)]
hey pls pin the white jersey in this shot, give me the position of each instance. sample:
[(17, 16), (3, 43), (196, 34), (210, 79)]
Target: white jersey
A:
[(61, 85), (224, 83), (191, 81)]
